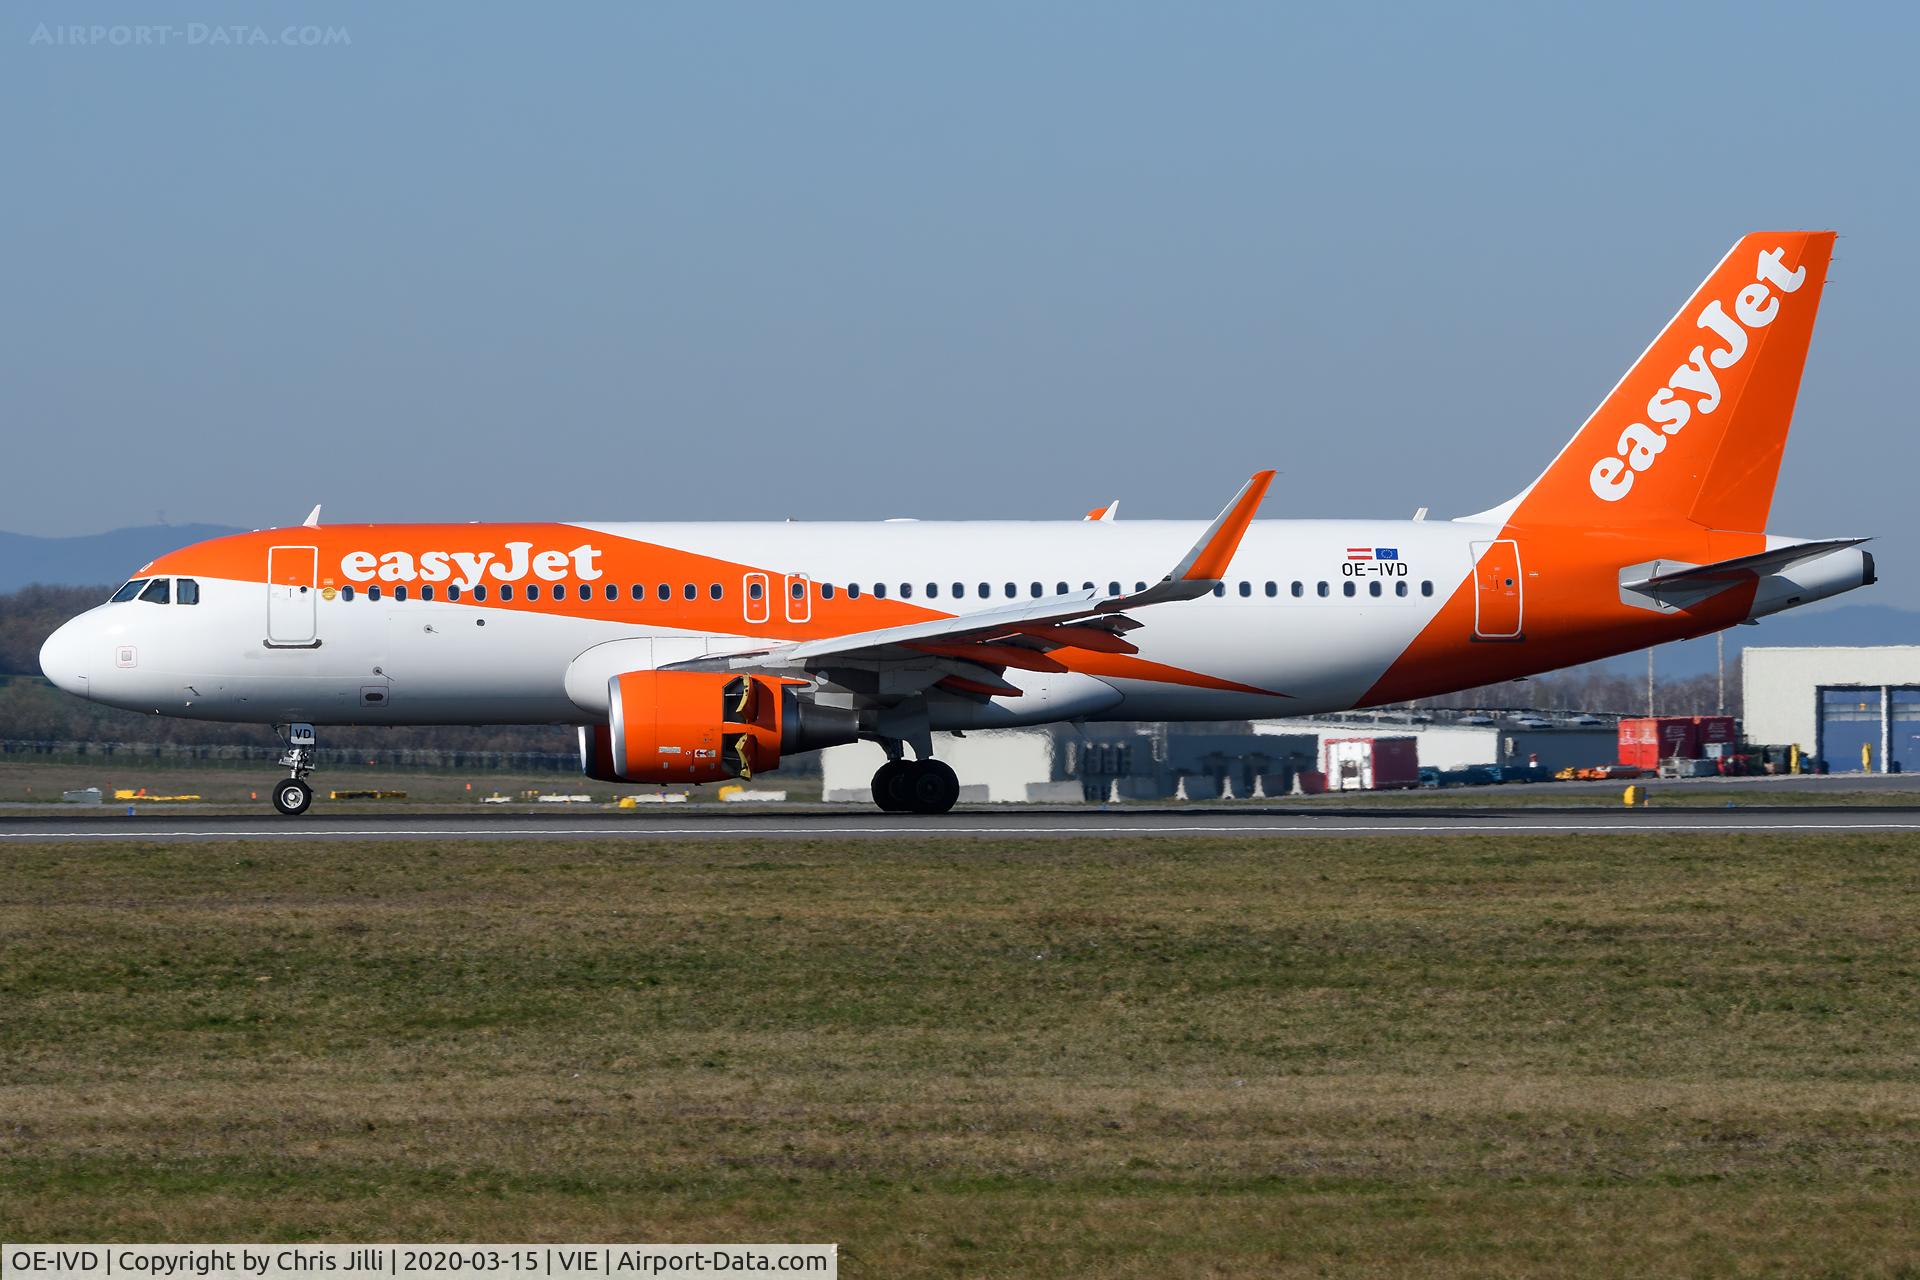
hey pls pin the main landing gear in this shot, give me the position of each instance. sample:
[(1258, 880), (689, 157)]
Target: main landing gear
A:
[(291, 796), (915, 786)]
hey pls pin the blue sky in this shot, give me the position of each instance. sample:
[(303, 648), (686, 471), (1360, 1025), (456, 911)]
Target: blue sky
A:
[(849, 261)]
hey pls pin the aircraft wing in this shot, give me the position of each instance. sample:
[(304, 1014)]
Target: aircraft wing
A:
[(1019, 634)]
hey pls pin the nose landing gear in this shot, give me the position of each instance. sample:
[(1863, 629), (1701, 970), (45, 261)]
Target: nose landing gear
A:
[(291, 796), (915, 786)]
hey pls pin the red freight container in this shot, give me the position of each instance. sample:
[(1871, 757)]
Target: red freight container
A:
[(1370, 764), (1646, 741), (1710, 729)]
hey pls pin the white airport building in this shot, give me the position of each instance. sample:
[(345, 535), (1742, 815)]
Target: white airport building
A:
[(1853, 709), (1196, 762)]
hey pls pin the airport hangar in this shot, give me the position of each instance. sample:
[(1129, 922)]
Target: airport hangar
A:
[(1853, 710)]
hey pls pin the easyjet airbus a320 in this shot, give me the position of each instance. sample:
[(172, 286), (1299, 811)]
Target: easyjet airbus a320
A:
[(698, 652)]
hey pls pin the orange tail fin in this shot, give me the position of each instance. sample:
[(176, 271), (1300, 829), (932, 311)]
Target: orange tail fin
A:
[(1695, 429)]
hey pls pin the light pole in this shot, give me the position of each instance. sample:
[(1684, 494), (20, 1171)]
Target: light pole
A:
[(1720, 660)]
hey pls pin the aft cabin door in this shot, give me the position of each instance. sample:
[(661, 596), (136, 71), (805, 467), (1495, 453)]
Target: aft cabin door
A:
[(1496, 574), (293, 596)]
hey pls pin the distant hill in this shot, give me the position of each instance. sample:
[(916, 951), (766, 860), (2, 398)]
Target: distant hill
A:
[(94, 559), (1847, 624)]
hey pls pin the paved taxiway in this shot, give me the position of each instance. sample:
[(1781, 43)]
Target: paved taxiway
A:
[(802, 824)]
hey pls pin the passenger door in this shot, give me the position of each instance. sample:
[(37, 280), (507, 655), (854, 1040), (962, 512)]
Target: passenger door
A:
[(293, 596), (1497, 603)]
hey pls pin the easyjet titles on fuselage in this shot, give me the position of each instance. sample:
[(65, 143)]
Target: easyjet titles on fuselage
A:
[(467, 568), (1755, 307)]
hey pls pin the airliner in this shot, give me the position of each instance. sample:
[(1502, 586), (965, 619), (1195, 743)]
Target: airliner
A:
[(698, 652)]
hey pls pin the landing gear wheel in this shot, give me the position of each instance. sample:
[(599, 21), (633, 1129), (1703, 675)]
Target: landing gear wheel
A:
[(933, 787), (291, 796), (889, 786)]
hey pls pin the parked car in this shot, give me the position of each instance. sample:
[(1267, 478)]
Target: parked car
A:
[(1429, 776), (1471, 775)]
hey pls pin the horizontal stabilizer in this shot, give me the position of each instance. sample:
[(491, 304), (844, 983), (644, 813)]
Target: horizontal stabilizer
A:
[(1723, 573)]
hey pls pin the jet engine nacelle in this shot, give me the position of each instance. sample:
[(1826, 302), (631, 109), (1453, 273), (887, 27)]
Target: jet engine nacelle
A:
[(705, 726)]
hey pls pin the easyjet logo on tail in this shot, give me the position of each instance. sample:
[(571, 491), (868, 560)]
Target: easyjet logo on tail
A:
[(468, 567), (1640, 444)]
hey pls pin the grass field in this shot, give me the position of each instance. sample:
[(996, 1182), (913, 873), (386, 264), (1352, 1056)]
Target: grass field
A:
[(1449, 1057)]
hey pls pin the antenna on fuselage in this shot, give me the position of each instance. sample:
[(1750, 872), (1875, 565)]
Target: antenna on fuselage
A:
[(313, 518)]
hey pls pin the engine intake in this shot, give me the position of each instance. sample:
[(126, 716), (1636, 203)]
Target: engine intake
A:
[(705, 726)]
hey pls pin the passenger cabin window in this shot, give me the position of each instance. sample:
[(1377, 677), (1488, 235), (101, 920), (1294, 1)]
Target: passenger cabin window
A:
[(612, 592), (127, 592), (687, 592), (986, 589), (400, 593), (1113, 588), (346, 593), (664, 592), (1299, 589), (1012, 591), (755, 590), (373, 592), (906, 591), (586, 592), (480, 593), (933, 591), (1347, 589), (453, 591), (426, 592), (826, 591), (1034, 590), (638, 592), (506, 592), (1273, 589), (186, 591), (1219, 588), (1320, 589), (1059, 588), (157, 592), (1373, 588), (1400, 588), (853, 591), (714, 592), (959, 591), (1426, 588), (1246, 589), (880, 590), (1139, 586)]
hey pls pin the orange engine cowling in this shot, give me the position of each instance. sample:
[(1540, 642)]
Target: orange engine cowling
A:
[(704, 726)]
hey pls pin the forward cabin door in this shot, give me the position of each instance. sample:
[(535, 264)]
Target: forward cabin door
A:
[(1497, 604), (293, 597)]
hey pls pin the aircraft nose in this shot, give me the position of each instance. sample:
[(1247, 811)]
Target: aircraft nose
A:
[(63, 658)]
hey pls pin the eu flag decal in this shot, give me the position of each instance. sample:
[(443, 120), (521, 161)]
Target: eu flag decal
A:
[(1386, 553)]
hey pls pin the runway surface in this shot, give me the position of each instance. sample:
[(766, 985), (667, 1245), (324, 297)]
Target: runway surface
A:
[(802, 824)]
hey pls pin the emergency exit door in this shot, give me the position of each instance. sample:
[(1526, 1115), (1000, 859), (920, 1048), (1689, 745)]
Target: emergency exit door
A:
[(293, 596), (1497, 592)]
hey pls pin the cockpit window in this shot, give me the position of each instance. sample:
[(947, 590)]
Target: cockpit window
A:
[(157, 592), (129, 591), (186, 591)]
